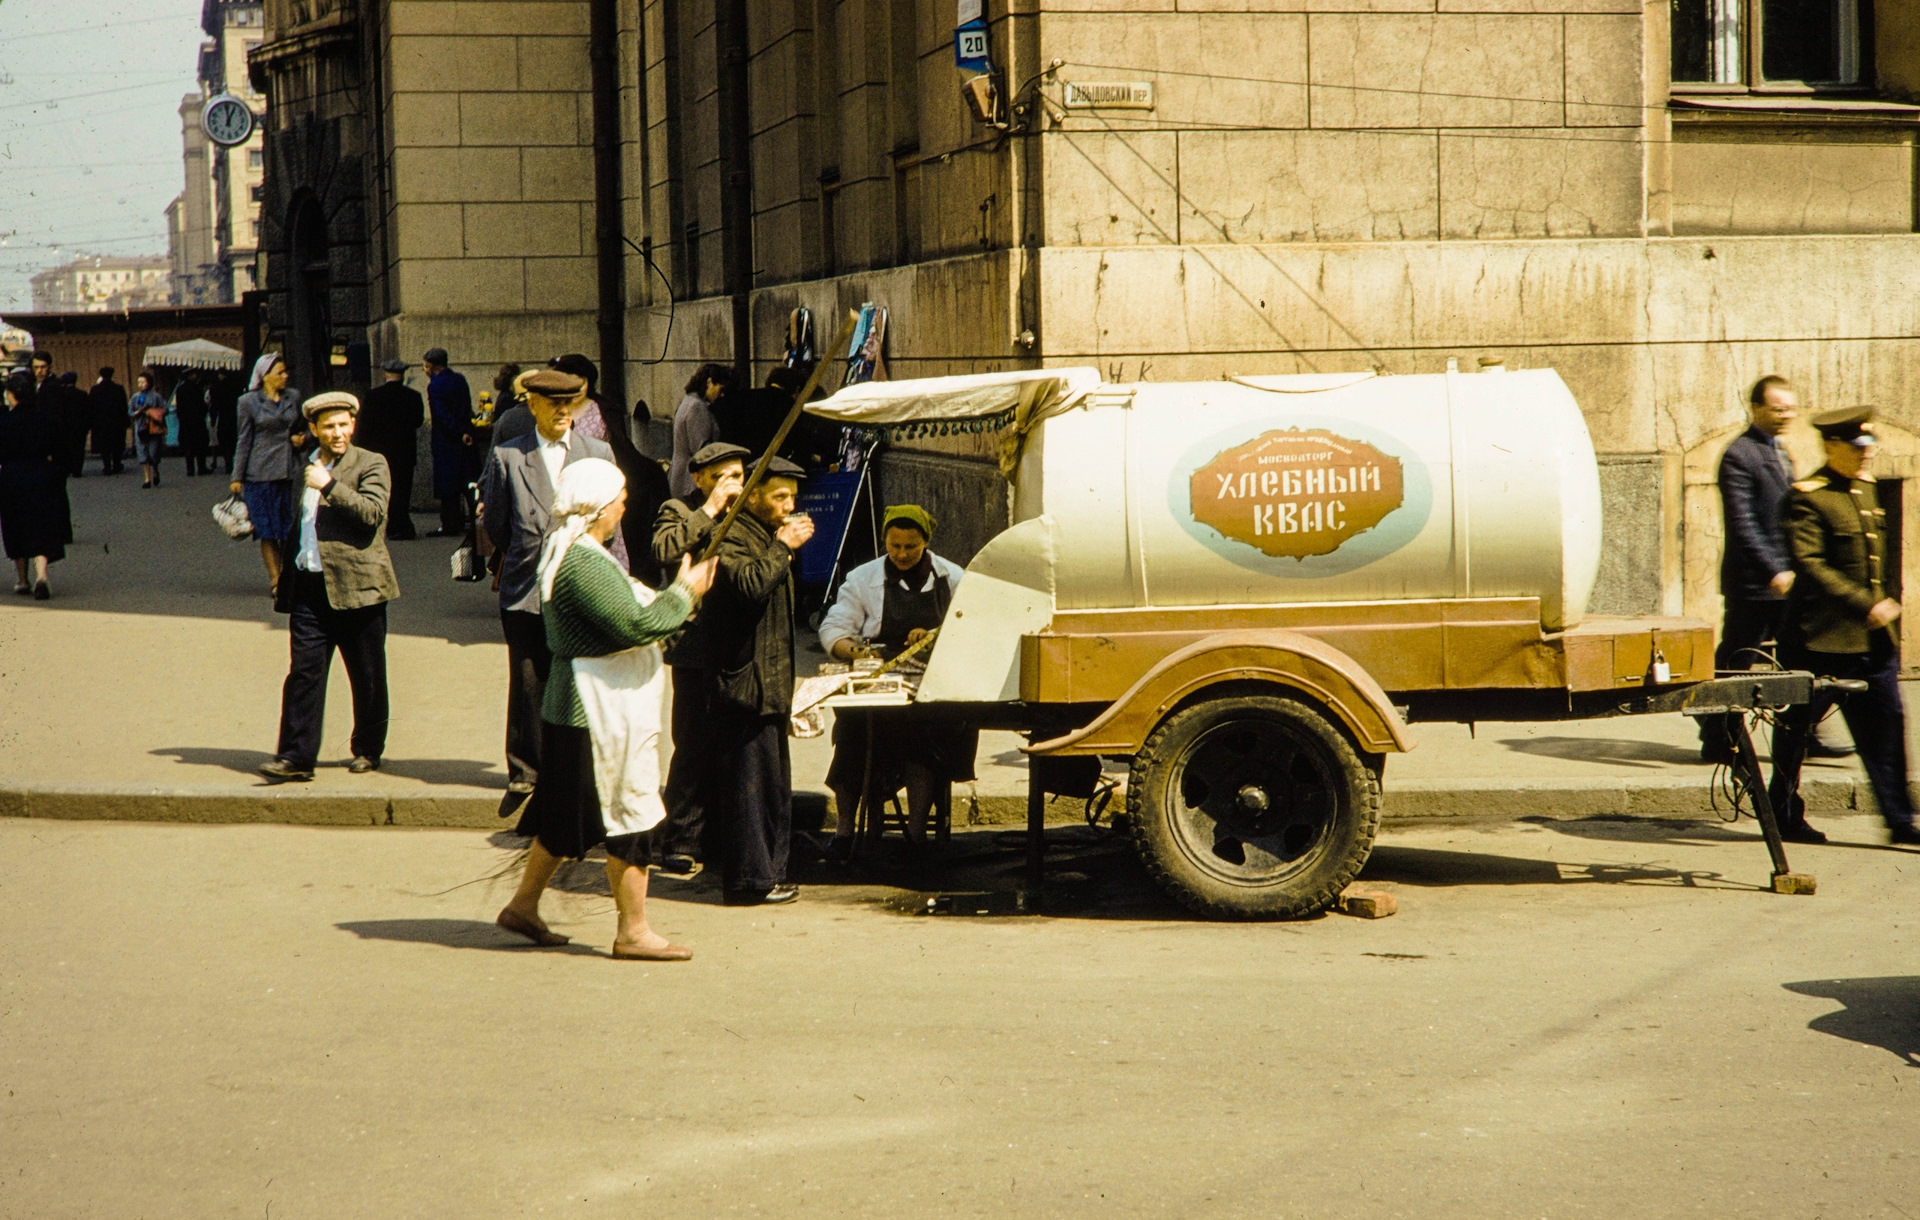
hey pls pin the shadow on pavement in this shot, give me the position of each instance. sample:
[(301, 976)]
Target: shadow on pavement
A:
[(456, 772), (1882, 1012), (454, 934), (1623, 828), (1426, 866), (1612, 751)]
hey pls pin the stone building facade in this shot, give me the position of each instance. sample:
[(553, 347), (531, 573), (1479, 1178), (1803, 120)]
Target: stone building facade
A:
[(1594, 185)]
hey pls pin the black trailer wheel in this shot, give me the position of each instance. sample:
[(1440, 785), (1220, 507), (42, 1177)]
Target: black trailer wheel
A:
[(1252, 807)]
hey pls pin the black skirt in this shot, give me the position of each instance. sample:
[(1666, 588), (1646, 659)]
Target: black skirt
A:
[(900, 736), (564, 810)]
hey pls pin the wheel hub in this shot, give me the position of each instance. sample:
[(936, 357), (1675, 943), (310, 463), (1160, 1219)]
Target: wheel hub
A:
[(1254, 801)]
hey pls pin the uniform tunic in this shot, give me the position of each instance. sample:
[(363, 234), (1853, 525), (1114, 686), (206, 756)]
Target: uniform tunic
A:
[(1837, 534)]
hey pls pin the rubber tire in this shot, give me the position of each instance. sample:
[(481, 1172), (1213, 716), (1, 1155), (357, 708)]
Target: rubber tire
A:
[(1350, 841)]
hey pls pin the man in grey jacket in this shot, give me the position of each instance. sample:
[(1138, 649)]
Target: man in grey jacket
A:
[(335, 594), (516, 510)]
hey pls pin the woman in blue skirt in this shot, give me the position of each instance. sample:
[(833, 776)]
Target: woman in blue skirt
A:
[(269, 431)]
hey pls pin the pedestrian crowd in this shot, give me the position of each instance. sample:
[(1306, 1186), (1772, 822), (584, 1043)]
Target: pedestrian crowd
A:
[(1806, 580)]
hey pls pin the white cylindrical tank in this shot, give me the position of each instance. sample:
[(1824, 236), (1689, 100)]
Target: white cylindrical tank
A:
[(1346, 487)]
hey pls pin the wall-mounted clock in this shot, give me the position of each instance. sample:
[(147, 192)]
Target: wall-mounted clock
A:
[(226, 120)]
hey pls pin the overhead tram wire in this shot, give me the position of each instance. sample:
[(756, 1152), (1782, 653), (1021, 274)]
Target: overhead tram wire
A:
[(72, 97), (84, 29)]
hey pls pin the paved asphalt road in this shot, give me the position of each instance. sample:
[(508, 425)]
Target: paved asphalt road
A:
[(1578, 1018)]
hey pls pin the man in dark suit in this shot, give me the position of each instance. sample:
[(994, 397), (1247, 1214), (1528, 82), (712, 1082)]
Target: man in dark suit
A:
[(389, 423), (109, 399), (456, 442), (516, 511), (1755, 570), (335, 594)]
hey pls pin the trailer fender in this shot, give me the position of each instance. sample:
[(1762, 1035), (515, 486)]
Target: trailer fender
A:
[(1281, 658)]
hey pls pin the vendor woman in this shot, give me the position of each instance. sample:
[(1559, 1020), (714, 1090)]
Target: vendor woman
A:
[(885, 607)]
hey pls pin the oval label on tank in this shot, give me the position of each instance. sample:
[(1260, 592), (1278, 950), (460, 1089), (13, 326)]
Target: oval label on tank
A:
[(1297, 493)]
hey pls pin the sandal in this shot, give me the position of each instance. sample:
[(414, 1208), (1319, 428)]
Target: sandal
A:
[(671, 953)]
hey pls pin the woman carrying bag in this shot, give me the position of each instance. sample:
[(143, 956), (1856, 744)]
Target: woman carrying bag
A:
[(148, 411), (600, 715), (269, 429)]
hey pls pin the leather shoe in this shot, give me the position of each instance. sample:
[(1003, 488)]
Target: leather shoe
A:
[(361, 765), (685, 867), (1800, 832), (279, 771), (761, 898), (1904, 836), (672, 953), (1816, 750), (518, 924)]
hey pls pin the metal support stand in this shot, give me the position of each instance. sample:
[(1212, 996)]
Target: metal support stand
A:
[(1746, 770), (1036, 837)]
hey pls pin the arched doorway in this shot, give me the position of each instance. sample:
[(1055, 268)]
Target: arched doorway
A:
[(310, 346), (1704, 535)]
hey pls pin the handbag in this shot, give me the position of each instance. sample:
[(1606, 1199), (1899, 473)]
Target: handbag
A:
[(231, 516), (156, 420)]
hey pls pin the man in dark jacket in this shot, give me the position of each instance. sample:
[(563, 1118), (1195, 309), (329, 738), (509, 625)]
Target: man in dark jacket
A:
[(681, 528), (457, 451), (389, 423), (1755, 569), (109, 399), (1839, 623), (748, 617), (335, 594)]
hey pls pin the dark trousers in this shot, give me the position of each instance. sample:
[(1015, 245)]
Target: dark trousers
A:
[(1875, 716), (400, 501), (110, 444), (1745, 628), (685, 794), (528, 663), (453, 514), (314, 630), (750, 802)]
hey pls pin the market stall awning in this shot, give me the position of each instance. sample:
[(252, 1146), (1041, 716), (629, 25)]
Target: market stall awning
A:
[(1030, 393), (192, 354)]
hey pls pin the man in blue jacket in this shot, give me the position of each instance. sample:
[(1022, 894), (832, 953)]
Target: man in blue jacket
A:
[(457, 451), (1755, 570)]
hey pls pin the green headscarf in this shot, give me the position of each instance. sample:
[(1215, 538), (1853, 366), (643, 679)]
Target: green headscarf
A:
[(913, 514)]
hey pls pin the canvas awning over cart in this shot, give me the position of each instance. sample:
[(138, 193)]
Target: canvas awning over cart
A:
[(191, 354)]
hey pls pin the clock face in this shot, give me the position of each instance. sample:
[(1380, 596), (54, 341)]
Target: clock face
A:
[(227, 121)]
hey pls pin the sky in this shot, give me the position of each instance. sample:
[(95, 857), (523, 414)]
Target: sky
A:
[(89, 129)]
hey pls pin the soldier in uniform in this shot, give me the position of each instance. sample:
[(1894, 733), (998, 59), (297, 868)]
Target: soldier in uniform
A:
[(1839, 624)]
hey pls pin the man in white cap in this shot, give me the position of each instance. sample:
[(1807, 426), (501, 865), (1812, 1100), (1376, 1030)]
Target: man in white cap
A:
[(336, 595)]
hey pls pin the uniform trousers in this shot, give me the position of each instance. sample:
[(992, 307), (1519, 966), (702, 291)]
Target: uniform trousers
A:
[(685, 793), (315, 629), (750, 801), (528, 663), (1875, 716)]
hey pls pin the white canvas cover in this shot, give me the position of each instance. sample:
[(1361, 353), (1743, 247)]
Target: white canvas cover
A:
[(1032, 393), (191, 354)]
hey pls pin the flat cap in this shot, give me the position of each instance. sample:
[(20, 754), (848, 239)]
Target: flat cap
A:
[(553, 384), (1845, 423), (332, 400), (781, 468), (435, 355), (719, 451), (395, 365)]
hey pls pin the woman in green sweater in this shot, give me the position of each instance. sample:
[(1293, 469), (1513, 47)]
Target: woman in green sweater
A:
[(600, 715)]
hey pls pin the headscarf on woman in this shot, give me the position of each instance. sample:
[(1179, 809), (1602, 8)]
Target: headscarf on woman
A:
[(261, 368), (584, 490)]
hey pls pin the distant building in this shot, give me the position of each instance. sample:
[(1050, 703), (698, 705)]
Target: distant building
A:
[(99, 283), (213, 225)]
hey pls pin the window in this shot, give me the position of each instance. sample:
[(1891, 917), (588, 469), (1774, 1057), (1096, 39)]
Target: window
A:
[(259, 193), (255, 158), (1760, 43)]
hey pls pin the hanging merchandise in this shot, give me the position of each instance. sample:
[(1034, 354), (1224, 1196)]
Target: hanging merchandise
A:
[(800, 339), (864, 359)]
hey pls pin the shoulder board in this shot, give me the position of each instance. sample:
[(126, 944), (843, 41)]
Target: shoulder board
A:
[(1809, 484)]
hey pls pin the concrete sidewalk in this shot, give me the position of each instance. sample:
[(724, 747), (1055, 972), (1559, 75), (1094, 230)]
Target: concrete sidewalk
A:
[(148, 689)]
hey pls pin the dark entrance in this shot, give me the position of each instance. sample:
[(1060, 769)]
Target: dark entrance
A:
[(310, 346)]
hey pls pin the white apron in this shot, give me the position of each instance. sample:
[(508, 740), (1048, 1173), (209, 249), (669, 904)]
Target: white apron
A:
[(623, 696)]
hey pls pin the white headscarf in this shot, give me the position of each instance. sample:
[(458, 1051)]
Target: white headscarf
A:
[(585, 489), (261, 368)]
